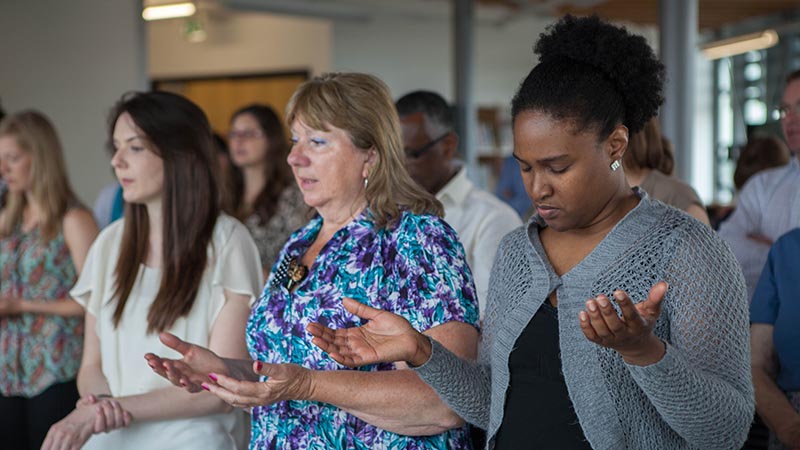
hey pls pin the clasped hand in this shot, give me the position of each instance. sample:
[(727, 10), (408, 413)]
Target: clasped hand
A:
[(200, 368), (631, 334), (92, 415)]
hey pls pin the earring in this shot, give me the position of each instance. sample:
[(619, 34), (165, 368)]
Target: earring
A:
[(366, 182), (615, 165)]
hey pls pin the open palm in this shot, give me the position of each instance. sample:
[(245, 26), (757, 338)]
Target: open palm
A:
[(387, 337), (191, 371)]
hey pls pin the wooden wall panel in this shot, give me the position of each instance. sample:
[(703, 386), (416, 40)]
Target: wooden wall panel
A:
[(220, 97)]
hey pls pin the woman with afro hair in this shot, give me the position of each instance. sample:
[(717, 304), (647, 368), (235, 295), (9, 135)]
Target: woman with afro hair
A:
[(614, 320)]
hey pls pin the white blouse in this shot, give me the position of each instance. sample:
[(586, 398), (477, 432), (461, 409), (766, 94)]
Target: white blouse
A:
[(233, 264)]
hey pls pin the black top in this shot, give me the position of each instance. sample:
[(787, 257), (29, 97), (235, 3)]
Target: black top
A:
[(538, 412)]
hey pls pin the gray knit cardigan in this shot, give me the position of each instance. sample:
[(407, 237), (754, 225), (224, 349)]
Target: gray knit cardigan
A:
[(699, 396)]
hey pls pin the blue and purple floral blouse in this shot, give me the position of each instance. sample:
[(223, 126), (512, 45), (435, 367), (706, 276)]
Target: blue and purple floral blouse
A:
[(415, 268)]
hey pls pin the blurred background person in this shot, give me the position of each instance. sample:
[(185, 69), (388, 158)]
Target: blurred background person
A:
[(229, 175), (511, 189), (774, 338), (109, 205), (174, 263), (2, 182), (769, 203), (432, 159), (649, 163), (266, 199), (45, 234), (760, 153)]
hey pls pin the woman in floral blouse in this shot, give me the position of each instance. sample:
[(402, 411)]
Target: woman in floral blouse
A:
[(379, 239), (45, 235)]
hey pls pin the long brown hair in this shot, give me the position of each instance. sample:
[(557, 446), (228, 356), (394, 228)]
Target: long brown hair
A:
[(277, 173), (51, 190), (179, 133), (360, 104), (647, 150), (759, 154)]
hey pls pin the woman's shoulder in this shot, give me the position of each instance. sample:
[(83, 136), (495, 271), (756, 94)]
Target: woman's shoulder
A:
[(683, 232), (421, 225), (671, 190), (227, 228), (77, 220), (111, 234)]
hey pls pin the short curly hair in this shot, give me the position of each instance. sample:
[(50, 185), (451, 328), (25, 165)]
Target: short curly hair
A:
[(595, 74)]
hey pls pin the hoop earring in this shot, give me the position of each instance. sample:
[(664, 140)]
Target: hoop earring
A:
[(615, 165), (366, 182)]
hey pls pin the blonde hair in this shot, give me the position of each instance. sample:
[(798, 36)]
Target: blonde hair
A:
[(50, 188), (361, 105)]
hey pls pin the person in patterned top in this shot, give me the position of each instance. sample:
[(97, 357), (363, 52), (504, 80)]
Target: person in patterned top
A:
[(377, 239), (45, 234)]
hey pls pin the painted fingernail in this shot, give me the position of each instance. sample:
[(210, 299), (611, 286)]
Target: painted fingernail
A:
[(204, 386), (213, 377), (259, 365)]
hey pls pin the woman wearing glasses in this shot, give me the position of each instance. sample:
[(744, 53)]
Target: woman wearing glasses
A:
[(265, 197)]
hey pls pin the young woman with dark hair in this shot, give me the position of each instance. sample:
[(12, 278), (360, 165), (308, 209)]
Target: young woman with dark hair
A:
[(174, 263), (265, 197), (614, 321)]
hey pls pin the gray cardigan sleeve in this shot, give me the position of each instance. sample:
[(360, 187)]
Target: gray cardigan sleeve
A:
[(703, 382), (466, 386)]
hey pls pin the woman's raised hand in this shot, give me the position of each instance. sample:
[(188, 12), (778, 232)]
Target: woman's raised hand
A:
[(632, 334), (191, 371), (386, 337)]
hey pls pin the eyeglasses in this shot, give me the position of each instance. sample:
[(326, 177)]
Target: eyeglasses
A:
[(245, 135), (417, 153), (788, 110)]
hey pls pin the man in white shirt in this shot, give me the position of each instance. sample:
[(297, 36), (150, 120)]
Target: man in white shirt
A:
[(480, 219), (769, 203)]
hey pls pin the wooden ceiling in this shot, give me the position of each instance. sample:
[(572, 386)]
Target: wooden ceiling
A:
[(712, 15)]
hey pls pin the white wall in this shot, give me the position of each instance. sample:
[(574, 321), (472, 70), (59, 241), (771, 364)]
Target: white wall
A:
[(417, 54), (72, 60), (239, 43), (411, 55)]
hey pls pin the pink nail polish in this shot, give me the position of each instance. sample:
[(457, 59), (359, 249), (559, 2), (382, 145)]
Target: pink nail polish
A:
[(213, 377), (204, 386)]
